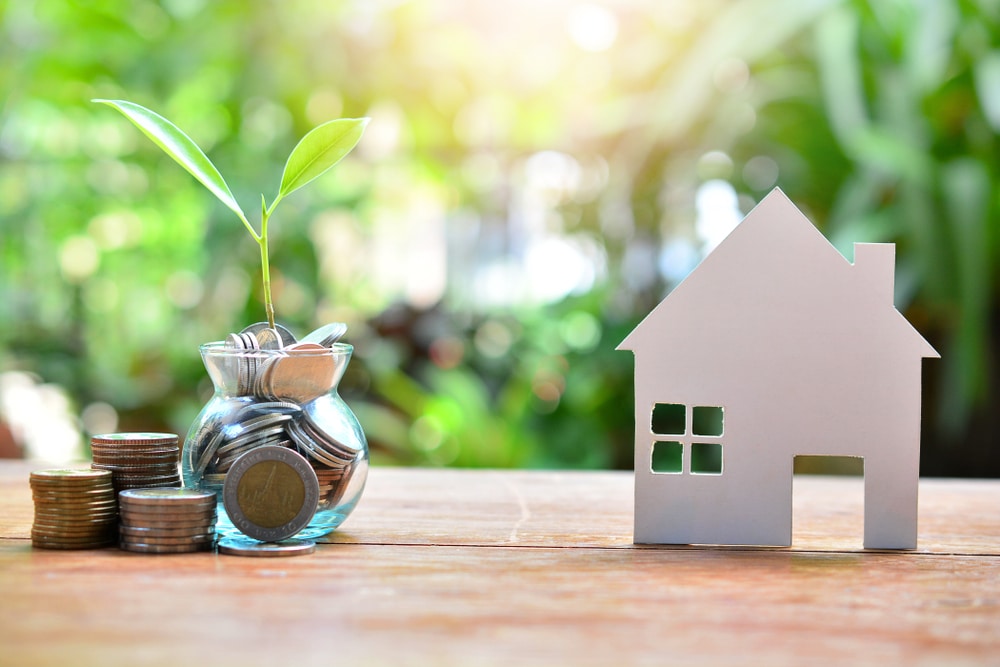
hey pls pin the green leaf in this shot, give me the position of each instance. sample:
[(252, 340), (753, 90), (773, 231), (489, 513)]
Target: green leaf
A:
[(180, 147), (320, 149)]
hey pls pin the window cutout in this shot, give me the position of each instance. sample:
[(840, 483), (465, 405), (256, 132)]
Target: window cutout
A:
[(706, 420), (668, 419), (667, 457), (706, 458)]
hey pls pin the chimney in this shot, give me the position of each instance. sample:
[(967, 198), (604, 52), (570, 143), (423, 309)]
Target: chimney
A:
[(875, 266)]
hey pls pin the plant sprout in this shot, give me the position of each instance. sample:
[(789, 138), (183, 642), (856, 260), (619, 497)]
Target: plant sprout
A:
[(320, 149)]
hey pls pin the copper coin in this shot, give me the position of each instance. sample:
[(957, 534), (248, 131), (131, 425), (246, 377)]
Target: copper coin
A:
[(164, 549), (135, 438)]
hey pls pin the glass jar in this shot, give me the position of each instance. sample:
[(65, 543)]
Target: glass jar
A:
[(282, 397)]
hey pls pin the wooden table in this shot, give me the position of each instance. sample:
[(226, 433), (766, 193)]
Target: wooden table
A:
[(460, 567)]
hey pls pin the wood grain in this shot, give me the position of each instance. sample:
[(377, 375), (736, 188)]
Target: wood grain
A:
[(455, 567)]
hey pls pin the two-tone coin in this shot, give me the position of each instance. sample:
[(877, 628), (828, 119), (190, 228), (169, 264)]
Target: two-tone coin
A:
[(271, 493)]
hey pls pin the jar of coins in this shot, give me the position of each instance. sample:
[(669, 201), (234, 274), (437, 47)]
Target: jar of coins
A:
[(272, 390)]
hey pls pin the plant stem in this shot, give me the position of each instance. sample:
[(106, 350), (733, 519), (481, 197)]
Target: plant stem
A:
[(265, 268)]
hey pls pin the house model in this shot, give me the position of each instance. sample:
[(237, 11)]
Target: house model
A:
[(775, 346)]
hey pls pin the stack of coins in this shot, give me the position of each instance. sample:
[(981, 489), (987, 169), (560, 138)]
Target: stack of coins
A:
[(137, 460), (74, 509), (167, 521)]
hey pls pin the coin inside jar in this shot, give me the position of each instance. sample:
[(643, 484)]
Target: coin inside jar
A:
[(271, 493), (307, 371)]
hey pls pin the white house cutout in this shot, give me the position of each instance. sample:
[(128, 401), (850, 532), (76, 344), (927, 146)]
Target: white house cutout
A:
[(775, 346)]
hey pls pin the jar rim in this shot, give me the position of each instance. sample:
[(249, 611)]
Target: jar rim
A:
[(219, 347)]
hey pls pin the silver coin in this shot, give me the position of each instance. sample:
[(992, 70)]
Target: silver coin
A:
[(249, 438), (163, 540), (326, 442), (326, 335), (262, 386), (165, 549), (208, 454), (269, 339), (171, 497), (308, 446), (328, 419), (198, 526), (261, 422), (198, 513), (228, 458), (268, 407), (271, 493), (226, 432), (140, 531), (305, 372), (287, 337), (245, 546), (232, 364), (249, 362)]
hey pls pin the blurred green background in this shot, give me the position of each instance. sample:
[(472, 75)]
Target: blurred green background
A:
[(536, 177)]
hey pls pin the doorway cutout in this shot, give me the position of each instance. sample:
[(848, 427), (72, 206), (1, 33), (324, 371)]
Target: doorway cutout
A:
[(828, 502)]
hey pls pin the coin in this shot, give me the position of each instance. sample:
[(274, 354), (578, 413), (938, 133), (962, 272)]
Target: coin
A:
[(166, 511), (308, 446), (47, 522), (271, 493), (68, 476), (286, 336), (154, 526), (305, 372), (239, 365), (165, 549), (326, 335), (159, 497), (244, 546), (75, 533), (70, 533), (50, 544), (131, 457), (166, 540), (105, 497), (166, 514), (152, 475), (269, 339), (139, 531), (134, 438), (267, 407), (135, 445), (250, 437)]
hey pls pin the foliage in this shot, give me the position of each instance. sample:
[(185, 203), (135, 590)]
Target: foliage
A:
[(317, 152), (527, 191)]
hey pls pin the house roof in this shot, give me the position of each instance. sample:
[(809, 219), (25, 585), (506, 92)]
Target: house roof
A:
[(777, 262)]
